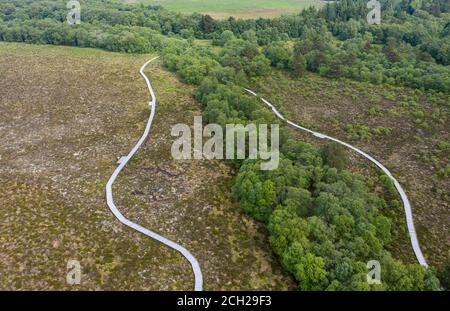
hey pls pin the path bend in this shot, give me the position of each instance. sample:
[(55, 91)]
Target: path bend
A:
[(406, 204), (198, 284)]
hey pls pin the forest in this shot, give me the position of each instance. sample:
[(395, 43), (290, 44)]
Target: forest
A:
[(324, 224), (411, 47)]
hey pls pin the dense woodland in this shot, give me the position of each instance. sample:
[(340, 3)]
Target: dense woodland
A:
[(324, 223), (411, 47)]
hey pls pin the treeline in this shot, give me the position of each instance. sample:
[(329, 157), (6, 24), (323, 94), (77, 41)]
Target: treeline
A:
[(112, 38), (323, 222), (411, 47)]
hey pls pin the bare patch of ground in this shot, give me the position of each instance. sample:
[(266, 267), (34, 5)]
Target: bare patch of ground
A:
[(253, 13)]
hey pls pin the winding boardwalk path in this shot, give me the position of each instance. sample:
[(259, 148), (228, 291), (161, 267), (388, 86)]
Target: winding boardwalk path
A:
[(109, 197), (406, 204)]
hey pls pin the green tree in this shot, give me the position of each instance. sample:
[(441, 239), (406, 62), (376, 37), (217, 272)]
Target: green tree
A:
[(299, 201), (298, 65), (335, 155), (310, 272), (226, 36), (279, 54), (444, 276), (256, 197)]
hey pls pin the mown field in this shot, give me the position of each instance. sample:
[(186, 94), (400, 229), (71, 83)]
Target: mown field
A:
[(407, 130), (67, 114), (237, 8)]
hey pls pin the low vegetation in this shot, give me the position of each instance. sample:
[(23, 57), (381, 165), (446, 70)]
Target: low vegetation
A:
[(64, 129)]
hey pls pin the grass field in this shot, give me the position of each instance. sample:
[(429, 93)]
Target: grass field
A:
[(407, 130), (67, 113), (238, 8)]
